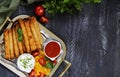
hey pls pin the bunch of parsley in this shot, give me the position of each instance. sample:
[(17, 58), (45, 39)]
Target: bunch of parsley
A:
[(69, 6)]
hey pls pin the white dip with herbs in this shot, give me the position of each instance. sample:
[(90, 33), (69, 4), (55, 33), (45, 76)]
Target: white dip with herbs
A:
[(26, 62)]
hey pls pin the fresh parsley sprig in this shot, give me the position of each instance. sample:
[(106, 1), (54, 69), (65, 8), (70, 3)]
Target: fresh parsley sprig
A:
[(69, 6)]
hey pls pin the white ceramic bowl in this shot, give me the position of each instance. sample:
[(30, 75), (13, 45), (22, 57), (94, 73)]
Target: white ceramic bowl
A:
[(48, 41), (26, 62)]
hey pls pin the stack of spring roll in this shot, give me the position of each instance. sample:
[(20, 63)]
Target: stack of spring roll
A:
[(32, 39)]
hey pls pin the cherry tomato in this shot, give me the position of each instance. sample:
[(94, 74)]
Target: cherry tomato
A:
[(39, 10), (41, 75), (55, 61), (35, 53), (42, 61), (44, 19), (36, 76), (32, 73)]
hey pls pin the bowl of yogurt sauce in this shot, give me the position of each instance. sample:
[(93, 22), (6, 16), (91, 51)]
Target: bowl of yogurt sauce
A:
[(26, 62)]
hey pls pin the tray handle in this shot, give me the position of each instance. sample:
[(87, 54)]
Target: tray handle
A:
[(7, 19), (67, 67)]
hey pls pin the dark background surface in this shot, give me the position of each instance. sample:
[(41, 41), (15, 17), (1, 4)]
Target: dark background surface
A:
[(92, 37)]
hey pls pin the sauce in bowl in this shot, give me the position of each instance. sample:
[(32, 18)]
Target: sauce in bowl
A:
[(52, 49), (26, 62)]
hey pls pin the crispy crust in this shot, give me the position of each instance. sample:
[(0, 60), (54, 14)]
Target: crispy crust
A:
[(20, 44), (31, 41), (30, 36), (16, 50), (25, 35), (7, 48), (36, 32), (11, 44)]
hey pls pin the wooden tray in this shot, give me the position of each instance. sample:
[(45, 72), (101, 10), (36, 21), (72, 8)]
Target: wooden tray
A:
[(46, 34)]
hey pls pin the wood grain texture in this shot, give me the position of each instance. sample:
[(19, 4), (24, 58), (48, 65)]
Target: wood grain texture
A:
[(92, 37)]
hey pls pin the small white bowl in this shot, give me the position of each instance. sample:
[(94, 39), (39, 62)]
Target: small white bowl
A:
[(26, 62), (46, 43)]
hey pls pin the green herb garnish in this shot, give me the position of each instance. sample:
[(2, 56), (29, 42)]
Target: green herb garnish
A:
[(20, 38), (19, 32), (69, 6), (26, 62), (49, 65), (46, 58)]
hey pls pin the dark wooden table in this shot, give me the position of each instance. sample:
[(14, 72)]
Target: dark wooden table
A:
[(92, 37)]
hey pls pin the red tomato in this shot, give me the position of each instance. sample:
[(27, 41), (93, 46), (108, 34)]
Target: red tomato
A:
[(35, 53), (55, 61), (32, 73), (42, 61), (41, 75), (44, 19), (35, 76), (39, 10)]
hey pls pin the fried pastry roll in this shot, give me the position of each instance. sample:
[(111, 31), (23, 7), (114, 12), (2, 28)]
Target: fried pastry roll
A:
[(30, 35), (16, 50), (7, 48), (25, 35), (20, 43), (11, 44), (36, 32)]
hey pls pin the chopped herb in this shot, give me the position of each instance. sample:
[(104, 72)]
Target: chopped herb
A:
[(49, 65), (47, 58), (26, 62), (19, 32), (20, 38)]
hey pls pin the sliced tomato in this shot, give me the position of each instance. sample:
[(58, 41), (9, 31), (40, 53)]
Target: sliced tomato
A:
[(42, 61), (35, 76), (41, 75), (32, 73), (44, 19), (55, 61), (35, 53)]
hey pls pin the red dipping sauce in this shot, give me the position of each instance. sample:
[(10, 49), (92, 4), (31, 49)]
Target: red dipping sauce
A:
[(52, 49)]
